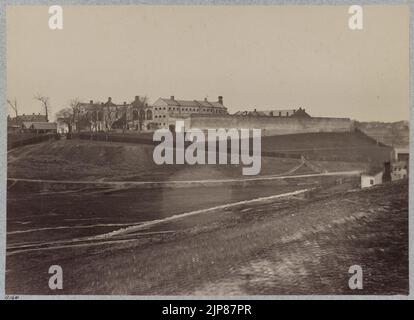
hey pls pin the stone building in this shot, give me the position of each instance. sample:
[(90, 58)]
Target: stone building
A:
[(106, 116), (166, 111)]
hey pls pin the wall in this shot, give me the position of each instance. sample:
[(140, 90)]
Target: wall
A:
[(273, 125)]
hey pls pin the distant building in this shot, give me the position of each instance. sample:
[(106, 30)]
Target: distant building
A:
[(63, 125), (371, 178), (39, 127), (295, 113), (165, 109), (401, 154), (13, 128), (399, 170), (27, 118), (107, 116)]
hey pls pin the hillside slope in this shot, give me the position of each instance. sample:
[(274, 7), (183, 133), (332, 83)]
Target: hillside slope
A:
[(395, 134), (344, 146), (93, 160)]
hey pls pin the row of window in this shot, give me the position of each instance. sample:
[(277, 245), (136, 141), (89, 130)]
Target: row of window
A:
[(99, 115), (189, 109)]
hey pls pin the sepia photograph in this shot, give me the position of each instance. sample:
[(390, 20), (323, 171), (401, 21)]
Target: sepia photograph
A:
[(206, 150)]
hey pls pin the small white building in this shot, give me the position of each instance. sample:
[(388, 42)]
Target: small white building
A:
[(371, 178)]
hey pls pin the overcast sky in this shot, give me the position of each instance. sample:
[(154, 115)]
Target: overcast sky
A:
[(265, 57)]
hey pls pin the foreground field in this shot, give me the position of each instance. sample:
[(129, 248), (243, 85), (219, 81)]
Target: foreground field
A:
[(292, 245)]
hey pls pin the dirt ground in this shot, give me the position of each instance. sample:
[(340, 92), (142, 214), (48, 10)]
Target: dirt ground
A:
[(294, 245)]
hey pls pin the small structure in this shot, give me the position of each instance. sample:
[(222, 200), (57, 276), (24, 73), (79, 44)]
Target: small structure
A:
[(13, 128), (371, 178), (63, 125), (40, 127), (401, 154), (28, 118), (399, 170)]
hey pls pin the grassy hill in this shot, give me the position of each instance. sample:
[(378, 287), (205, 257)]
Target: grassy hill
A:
[(323, 146), (93, 160), (392, 134)]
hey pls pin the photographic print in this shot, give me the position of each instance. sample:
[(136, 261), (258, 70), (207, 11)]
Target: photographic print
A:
[(206, 150)]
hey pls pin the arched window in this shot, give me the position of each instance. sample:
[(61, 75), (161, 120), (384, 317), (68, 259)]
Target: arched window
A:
[(149, 115), (135, 115), (142, 114)]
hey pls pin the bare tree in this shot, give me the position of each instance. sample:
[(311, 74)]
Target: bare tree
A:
[(75, 106), (70, 115), (65, 115), (142, 114), (45, 102), (13, 105)]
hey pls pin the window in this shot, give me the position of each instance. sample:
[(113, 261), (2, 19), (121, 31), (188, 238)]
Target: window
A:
[(371, 182)]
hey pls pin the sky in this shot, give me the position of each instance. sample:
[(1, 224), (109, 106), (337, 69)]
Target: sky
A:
[(256, 57)]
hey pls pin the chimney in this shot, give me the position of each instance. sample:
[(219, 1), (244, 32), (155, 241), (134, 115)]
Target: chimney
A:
[(109, 99), (33, 114), (220, 99), (205, 99), (172, 98), (136, 98), (90, 101), (124, 103)]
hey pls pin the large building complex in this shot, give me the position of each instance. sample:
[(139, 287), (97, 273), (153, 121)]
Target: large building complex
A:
[(166, 110), (106, 116), (138, 115)]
